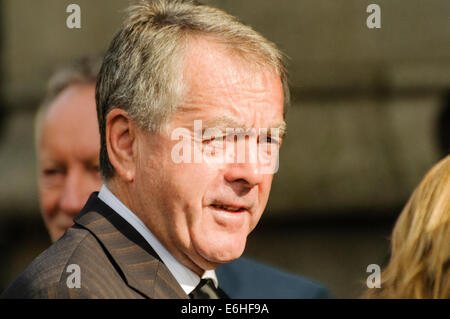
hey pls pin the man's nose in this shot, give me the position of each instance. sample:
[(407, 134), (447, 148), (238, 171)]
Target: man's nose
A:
[(243, 176), (243, 167), (74, 194)]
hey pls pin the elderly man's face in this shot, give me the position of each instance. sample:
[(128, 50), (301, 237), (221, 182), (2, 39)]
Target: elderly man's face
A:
[(191, 206), (68, 157)]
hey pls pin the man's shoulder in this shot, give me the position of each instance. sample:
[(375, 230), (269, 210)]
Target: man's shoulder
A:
[(47, 276), (246, 278)]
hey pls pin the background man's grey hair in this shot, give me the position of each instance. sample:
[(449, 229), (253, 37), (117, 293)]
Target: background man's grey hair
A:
[(142, 72), (83, 70)]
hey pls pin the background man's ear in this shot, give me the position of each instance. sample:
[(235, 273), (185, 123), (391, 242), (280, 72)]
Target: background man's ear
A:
[(120, 140)]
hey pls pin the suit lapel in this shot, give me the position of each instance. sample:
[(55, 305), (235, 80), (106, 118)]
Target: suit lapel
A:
[(138, 263)]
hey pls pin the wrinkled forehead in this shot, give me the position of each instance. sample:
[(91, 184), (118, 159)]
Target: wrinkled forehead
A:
[(222, 88), (212, 64)]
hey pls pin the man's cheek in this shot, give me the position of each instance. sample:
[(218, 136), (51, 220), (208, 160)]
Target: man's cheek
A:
[(49, 204)]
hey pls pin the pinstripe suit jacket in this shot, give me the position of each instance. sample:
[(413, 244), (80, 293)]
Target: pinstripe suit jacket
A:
[(115, 262)]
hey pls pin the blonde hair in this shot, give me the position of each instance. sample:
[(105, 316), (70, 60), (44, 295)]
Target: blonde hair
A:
[(142, 72), (420, 262)]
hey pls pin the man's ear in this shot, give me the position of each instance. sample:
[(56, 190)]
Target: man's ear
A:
[(120, 143)]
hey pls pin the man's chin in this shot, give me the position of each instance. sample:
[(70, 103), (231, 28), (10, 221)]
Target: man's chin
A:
[(221, 252)]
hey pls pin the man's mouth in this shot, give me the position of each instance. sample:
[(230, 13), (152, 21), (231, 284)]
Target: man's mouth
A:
[(229, 208)]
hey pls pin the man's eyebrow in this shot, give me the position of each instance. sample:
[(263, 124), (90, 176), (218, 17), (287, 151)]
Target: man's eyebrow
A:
[(224, 122), (282, 127), (91, 162)]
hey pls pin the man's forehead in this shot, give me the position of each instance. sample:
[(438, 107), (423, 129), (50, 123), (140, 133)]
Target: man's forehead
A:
[(70, 121), (213, 65), (224, 92), (75, 100), (216, 112)]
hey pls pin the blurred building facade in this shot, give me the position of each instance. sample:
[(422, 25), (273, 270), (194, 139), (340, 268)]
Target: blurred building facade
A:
[(361, 129)]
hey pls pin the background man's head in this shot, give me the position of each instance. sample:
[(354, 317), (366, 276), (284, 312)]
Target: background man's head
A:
[(173, 63), (67, 144)]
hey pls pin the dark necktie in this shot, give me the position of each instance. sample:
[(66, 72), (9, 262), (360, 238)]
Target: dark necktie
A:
[(207, 290)]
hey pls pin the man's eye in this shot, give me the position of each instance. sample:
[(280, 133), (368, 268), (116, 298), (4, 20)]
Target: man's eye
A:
[(52, 177), (95, 168), (214, 139), (52, 171), (268, 139)]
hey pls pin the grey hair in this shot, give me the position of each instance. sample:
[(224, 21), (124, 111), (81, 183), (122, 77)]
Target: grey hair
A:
[(142, 72), (83, 70)]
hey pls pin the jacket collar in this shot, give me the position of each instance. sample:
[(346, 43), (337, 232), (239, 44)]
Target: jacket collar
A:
[(140, 266)]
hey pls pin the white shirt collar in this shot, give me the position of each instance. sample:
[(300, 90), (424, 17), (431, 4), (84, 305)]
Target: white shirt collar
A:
[(187, 279)]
